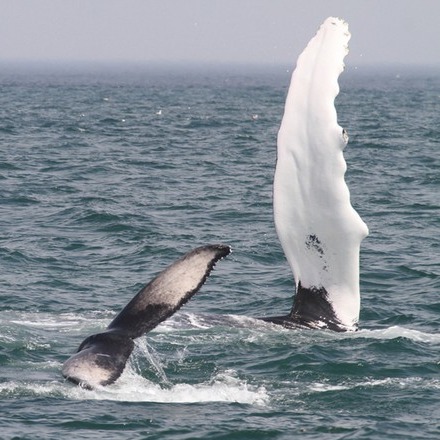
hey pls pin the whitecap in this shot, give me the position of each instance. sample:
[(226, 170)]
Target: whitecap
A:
[(131, 387), (395, 332), (57, 322), (391, 382)]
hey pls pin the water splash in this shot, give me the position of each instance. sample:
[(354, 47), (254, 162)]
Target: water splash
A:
[(131, 387), (223, 387)]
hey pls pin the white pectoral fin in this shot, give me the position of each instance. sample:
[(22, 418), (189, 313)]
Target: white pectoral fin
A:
[(318, 228)]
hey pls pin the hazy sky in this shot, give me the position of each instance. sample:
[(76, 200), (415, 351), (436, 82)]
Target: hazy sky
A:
[(268, 31)]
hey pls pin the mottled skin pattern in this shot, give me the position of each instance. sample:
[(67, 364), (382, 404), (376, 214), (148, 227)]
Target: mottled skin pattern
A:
[(101, 358)]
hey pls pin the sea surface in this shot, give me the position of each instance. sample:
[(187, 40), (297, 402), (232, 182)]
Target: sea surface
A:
[(110, 173)]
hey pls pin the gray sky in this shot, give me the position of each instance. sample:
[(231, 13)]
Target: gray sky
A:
[(247, 31)]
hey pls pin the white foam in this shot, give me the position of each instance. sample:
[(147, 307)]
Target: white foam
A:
[(324, 387), (395, 332), (181, 320), (389, 382), (47, 389), (64, 322), (131, 387)]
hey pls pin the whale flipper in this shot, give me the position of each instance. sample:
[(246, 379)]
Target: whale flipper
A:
[(319, 230), (101, 358)]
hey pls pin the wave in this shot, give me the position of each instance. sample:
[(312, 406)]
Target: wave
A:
[(205, 322), (131, 387), (98, 320), (63, 322), (33, 342), (223, 387), (396, 331), (389, 382)]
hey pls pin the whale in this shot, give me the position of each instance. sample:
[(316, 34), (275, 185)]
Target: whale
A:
[(319, 230), (101, 357)]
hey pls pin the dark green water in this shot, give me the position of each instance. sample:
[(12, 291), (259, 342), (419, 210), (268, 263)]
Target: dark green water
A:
[(106, 176)]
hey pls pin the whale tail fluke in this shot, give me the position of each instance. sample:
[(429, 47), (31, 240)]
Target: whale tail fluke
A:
[(101, 358)]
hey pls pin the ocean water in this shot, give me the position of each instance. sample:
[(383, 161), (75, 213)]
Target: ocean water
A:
[(107, 175)]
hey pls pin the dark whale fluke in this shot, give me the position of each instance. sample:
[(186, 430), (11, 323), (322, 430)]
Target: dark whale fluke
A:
[(101, 358)]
